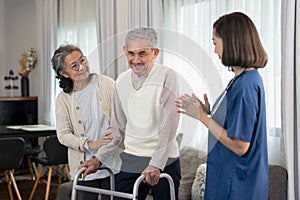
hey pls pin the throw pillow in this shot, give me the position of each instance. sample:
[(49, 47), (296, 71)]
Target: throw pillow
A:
[(198, 187)]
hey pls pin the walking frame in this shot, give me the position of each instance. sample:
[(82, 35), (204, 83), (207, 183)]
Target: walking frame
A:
[(112, 192)]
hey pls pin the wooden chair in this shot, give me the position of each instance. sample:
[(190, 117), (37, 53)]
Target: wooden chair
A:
[(29, 152), (56, 154), (11, 156)]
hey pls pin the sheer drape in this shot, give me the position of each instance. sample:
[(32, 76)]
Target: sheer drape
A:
[(291, 93), (46, 12), (109, 37), (146, 13), (2, 44), (99, 28), (113, 22), (200, 67), (77, 25)]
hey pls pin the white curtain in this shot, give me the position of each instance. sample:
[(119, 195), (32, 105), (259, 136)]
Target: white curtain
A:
[(46, 12), (2, 44), (109, 37), (189, 49), (147, 13), (291, 93), (77, 26), (114, 19), (99, 28)]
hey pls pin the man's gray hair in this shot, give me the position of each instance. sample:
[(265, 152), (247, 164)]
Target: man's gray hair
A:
[(146, 33)]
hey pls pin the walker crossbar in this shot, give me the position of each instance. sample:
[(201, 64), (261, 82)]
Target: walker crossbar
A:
[(112, 191)]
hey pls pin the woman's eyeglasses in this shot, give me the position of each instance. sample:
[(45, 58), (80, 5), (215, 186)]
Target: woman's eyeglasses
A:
[(76, 65)]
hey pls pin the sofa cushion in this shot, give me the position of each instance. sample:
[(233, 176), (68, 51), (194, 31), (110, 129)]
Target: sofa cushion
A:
[(190, 159), (278, 180)]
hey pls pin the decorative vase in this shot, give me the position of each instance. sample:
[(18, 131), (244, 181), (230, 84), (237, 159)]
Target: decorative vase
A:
[(24, 86)]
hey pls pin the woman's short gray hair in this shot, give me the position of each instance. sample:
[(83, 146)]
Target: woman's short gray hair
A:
[(146, 33), (58, 59), (58, 65)]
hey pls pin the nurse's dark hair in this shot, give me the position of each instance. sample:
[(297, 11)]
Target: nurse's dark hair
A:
[(241, 43), (58, 65)]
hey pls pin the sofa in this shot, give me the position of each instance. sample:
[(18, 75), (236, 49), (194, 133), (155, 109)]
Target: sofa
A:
[(192, 184)]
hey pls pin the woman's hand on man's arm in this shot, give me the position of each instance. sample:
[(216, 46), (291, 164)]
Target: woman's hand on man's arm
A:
[(103, 140)]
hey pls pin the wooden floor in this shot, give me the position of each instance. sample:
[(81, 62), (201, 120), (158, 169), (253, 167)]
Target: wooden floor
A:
[(25, 185)]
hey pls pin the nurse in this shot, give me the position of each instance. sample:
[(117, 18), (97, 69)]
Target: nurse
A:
[(237, 162)]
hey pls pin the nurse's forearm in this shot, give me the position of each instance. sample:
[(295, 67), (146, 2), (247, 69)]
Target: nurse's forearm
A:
[(239, 147)]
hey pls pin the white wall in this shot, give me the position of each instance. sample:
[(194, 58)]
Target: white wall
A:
[(2, 47), (18, 35)]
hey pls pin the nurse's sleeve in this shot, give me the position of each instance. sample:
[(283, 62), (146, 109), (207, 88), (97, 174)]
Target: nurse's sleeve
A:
[(241, 114)]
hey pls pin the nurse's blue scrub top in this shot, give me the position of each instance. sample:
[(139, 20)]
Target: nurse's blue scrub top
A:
[(243, 114)]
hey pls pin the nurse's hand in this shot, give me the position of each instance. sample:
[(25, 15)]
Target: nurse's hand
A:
[(206, 104), (190, 105)]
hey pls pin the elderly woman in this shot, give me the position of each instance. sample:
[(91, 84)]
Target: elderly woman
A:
[(83, 111)]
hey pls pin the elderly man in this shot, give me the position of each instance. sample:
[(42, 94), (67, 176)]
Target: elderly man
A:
[(144, 115)]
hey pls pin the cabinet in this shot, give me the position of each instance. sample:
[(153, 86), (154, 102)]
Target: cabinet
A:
[(18, 110)]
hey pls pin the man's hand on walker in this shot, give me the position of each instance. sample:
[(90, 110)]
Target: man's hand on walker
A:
[(91, 165), (152, 175)]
